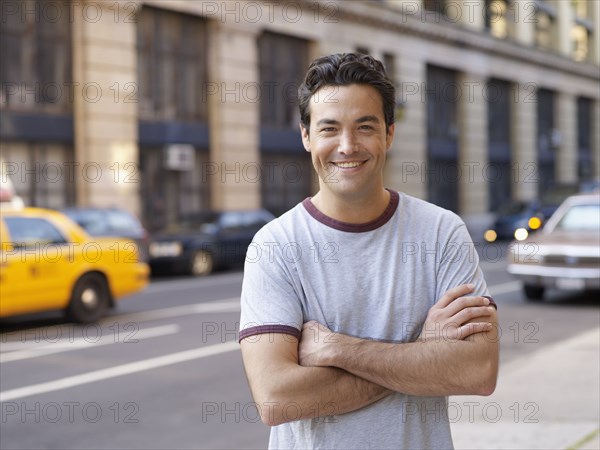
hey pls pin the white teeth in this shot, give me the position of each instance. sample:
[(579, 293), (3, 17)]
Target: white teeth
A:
[(348, 165)]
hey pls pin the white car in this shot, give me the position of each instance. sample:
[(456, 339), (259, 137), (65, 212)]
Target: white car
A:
[(565, 254)]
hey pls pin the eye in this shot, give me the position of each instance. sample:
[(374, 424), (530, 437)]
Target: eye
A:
[(327, 130), (366, 127)]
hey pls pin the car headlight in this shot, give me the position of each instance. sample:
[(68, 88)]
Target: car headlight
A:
[(490, 236), (165, 249), (521, 234)]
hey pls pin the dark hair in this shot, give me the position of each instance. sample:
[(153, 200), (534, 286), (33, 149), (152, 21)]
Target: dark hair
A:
[(343, 69)]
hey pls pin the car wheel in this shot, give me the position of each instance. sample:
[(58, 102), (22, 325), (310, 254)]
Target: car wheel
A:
[(202, 263), (90, 299), (533, 293)]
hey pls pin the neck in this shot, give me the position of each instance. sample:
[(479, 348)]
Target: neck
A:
[(352, 209)]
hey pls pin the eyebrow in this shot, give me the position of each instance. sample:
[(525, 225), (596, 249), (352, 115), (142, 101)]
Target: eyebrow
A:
[(362, 119)]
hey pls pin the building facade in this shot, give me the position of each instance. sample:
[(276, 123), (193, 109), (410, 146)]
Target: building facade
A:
[(169, 107)]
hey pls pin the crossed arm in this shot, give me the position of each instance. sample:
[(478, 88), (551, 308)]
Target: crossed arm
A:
[(330, 373)]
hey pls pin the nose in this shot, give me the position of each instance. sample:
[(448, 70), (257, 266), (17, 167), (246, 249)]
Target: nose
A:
[(347, 144)]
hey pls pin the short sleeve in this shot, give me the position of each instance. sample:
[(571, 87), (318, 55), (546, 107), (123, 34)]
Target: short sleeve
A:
[(269, 301), (459, 264)]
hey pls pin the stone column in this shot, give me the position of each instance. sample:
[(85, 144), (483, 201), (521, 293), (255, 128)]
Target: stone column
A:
[(522, 21), (105, 105), (407, 159), (469, 13), (566, 157), (234, 117), (523, 131), (564, 26), (472, 145)]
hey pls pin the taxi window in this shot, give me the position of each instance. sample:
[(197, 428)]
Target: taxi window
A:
[(26, 231)]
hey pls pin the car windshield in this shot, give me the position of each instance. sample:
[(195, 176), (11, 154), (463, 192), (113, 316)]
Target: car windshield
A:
[(581, 218), (98, 223), (121, 221)]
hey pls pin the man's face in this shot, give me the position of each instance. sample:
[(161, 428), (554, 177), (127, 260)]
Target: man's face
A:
[(348, 139)]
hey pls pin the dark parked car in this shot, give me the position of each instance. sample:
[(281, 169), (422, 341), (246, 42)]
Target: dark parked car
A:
[(512, 216), (199, 244), (111, 222), (516, 219)]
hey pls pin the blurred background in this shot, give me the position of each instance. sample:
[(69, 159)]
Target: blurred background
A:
[(166, 110)]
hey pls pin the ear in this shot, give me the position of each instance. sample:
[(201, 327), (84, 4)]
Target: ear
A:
[(305, 137), (390, 136)]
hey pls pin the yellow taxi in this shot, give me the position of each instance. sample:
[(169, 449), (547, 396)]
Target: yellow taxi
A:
[(48, 262)]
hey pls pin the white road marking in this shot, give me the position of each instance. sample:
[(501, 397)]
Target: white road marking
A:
[(225, 305), (65, 345), (117, 371)]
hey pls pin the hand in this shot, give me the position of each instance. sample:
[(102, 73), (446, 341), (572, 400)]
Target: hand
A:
[(449, 318), (313, 344)]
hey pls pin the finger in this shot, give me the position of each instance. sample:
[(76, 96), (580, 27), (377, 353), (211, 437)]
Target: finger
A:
[(453, 294), (465, 302), (471, 313), (473, 328)]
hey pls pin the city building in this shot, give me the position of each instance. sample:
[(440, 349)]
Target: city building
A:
[(168, 107)]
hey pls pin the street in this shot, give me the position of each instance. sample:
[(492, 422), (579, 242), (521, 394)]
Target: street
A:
[(164, 369)]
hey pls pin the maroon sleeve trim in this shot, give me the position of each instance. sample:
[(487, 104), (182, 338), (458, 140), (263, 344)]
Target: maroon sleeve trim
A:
[(492, 302), (264, 329)]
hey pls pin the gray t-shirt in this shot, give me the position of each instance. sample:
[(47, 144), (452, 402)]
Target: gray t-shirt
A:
[(375, 280)]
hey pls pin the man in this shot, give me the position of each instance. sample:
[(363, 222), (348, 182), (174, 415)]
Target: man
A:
[(343, 341)]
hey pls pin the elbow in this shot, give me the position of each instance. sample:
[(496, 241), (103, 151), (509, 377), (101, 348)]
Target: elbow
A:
[(270, 407), (487, 387), (488, 379)]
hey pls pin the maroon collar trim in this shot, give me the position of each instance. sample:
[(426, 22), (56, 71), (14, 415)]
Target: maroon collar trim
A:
[(354, 227)]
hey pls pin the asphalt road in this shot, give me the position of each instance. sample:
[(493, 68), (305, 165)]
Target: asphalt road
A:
[(163, 371)]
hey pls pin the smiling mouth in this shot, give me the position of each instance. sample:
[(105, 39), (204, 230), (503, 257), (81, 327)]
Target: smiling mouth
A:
[(348, 165)]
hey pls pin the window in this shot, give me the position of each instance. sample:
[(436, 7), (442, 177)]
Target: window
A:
[(44, 174), (584, 139), (581, 8), (35, 57), (499, 148), (170, 195), (442, 96), (289, 182), (438, 6), (580, 37), (544, 25), (496, 12), (283, 61), (172, 64), (27, 231)]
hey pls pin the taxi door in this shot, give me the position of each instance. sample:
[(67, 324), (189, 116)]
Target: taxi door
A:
[(37, 268)]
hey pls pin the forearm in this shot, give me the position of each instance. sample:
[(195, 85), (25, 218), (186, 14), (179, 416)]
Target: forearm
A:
[(319, 392), (425, 368), (284, 391)]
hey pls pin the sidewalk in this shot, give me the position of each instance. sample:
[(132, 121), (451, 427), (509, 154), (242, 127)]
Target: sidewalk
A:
[(548, 400)]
